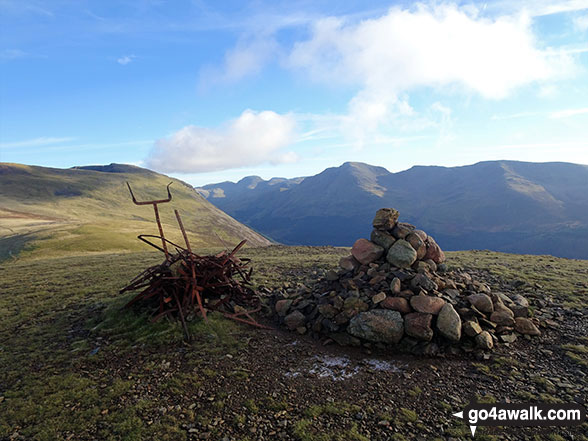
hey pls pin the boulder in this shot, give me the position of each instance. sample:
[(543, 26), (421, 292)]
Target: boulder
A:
[(349, 263), (484, 340), (294, 320), (378, 326), (418, 325), (449, 323), (526, 326), (434, 252), (418, 244), (502, 318), (482, 302), (396, 304), (471, 328), (385, 219), (353, 306), (401, 254), (402, 229), (421, 281), (427, 304), (365, 251), (382, 239), (282, 306)]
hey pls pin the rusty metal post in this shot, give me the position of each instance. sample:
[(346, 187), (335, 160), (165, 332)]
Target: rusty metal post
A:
[(155, 209)]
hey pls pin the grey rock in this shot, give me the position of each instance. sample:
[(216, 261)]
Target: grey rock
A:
[(378, 325), (401, 254), (382, 239), (449, 323), (294, 320)]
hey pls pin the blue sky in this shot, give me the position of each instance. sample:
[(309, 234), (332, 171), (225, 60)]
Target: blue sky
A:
[(210, 91)]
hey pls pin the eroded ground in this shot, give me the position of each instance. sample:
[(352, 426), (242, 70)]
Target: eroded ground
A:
[(73, 366)]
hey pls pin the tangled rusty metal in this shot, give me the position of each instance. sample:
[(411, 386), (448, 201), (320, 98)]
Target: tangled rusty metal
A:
[(186, 284)]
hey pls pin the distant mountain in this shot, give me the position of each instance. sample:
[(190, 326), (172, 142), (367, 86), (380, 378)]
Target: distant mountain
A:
[(50, 211), (519, 207)]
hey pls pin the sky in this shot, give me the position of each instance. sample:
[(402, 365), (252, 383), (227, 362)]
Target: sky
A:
[(210, 91)]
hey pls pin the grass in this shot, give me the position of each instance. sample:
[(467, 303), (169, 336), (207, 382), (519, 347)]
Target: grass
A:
[(63, 335), (565, 279), (72, 362)]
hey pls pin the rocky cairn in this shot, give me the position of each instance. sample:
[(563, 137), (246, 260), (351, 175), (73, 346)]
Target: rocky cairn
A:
[(395, 290)]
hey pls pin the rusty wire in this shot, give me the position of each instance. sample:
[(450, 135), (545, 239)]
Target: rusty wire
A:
[(186, 284)]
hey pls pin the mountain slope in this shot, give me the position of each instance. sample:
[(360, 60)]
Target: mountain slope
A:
[(500, 205), (49, 211)]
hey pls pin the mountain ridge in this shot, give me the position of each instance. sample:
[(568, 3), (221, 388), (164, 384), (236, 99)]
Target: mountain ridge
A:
[(504, 205)]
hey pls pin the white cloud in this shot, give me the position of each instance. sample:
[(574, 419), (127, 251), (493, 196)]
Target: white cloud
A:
[(568, 112), (440, 47), (427, 46), (581, 22), (36, 142), (253, 138), (125, 59), (246, 58)]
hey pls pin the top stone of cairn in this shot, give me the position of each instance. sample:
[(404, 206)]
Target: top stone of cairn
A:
[(385, 219)]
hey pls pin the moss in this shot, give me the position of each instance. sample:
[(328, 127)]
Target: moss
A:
[(415, 392), (251, 406), (578, 349), (579, 359), (487, 399), (407, 415)]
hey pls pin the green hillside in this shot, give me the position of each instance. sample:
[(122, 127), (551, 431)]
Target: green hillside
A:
[(51, 212)]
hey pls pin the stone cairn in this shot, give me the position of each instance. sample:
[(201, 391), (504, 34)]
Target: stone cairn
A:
[(396, 290)]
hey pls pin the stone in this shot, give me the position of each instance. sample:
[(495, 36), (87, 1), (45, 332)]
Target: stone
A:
[(332, 276), (449, 323), (427, 304), (422, 281), (501, 307), (396, 304), (385, 218), (378, 298), (382, 239), (434, 252), (418, 325), (421, 234), (282, 306), (378, 326), (365, 251), (353, 306), (502, 318), (294, 320), (520, 306), (520, 300), (395, 285), (417, 243), (349, 263), (520, 311), (484, 340), (482, 302), (402, 229), (327, 310), (508, 338), (471, 328), (526, 327), (431, 263), (401, 254)]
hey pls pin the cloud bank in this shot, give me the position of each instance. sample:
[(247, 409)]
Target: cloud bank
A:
[(252, 138)]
